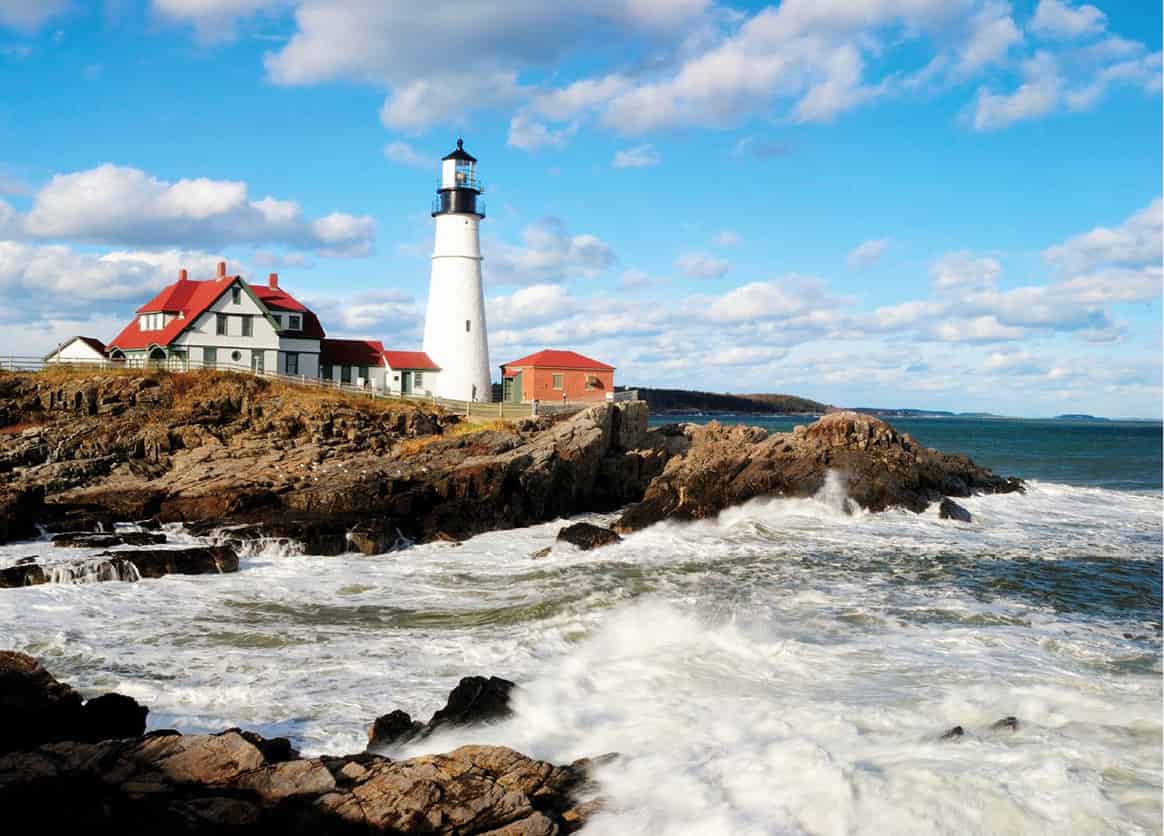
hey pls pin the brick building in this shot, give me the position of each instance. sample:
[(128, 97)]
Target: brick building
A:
[(553, 375)]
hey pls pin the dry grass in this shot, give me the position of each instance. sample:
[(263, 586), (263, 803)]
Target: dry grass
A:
[(413, 446)]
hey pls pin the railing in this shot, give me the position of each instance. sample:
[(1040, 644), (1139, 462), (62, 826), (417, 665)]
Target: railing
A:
[(484, 410)]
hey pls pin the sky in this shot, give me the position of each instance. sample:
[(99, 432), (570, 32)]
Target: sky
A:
[(940, 204)]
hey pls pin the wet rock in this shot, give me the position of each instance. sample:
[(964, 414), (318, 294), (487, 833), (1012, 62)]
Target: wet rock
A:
[(111, 716), (540, 553), (22, 574), (85, 540), (198, 560), (954, 733), (274, 749), (587, 536), (880, 468), (951, 510), (1006, 724), (34, 707), (475, 700)]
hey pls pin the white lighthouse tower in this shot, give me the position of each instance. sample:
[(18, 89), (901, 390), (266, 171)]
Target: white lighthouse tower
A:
[(454, 323)]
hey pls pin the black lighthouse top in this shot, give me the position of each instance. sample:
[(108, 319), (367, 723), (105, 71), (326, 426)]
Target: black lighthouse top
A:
[(459, 191), (460, 153)]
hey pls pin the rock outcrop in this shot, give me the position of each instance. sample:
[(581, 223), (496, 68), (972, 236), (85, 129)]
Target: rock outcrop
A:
[(341, 474), (69, 766), (586, 536), (36, 709), (476, 699), (877, 466), (126, 565)]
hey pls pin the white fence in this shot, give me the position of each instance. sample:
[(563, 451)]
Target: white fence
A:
[(471, 409)]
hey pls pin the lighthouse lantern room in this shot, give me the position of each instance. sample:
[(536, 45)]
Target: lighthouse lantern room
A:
[(454, 322)]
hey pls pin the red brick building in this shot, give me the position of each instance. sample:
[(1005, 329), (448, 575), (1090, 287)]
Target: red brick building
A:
[(548, 375)]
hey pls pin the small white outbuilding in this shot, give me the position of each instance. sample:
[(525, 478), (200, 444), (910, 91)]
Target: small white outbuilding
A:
[(78, 350)]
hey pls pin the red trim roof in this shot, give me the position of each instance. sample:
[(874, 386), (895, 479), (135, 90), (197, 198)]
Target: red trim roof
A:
[(411, 360), (351, 353), (557, 359), (192, 298)]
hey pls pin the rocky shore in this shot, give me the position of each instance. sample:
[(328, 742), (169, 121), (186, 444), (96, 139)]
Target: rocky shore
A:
[(231, 453), (70, 765)]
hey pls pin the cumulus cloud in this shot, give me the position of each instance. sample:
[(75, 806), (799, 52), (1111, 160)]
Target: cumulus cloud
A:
[(641, 156), (963, 271), (1036, 96), (122, 205), (1136, 241), (1056, 19), (727, 238), (868, 253), (702, 266), (548, 251)]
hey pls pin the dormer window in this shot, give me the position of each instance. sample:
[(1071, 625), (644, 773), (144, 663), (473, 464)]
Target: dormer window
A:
[(294, 322), (235, 295), (278, 320), (152, 322)]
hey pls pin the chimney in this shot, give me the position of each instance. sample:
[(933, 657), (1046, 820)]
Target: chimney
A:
[(182, 275), (273, 280), (221, 269)]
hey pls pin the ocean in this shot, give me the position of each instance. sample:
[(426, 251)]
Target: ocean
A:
[(785, 668)]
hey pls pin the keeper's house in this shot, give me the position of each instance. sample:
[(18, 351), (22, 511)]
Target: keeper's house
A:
[(553, 375), (227, 323), (223, 323)]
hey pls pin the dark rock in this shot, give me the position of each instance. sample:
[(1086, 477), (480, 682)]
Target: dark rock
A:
[(83, 540), (1008, 724), (111, 716), (474, 700), (954, 733), (587, 536), (951, 510), (198, 560), (540, 553), (274, 749), (392, 727), (22, 574), (34, 707)]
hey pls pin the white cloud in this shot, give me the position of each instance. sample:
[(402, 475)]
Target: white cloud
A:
[(419, 104), (528, 134), (868, 253), (993, 33), (766, 300), (529, 305), (1036, 96), (963, 271), (122, 205), (1136, 241), (641, 156), (29, 15), (727, 238), (548, 252), (405, 154), (702, 266), (1056, 19), (1142, 72), (634, 279)]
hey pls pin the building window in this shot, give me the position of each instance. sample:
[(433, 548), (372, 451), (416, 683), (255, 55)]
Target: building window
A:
[(467, 325), (364, 372), (210, 357), (325, 372), (247, 326), (278, 320), (236, 356), (345, 374), (559, 381), (292, 362), (593, 382), (235, 295), (418, 378), (294, 323), (220, 324)]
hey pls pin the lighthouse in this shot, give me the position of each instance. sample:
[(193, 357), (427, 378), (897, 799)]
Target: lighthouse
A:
[(454, 323)]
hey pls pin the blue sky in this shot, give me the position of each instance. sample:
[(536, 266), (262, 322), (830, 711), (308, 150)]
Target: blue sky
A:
[(949, 204)]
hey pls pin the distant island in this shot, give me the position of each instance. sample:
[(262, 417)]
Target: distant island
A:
[(881, 412), (681, 401), (1079, 416)]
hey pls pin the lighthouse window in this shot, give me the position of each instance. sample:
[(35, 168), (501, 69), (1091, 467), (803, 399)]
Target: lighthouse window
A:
[(467, 324)]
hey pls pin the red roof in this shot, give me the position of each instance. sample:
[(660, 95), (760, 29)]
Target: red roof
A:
[(192, 298), (555, 359), (410, 360), (351, 353)]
